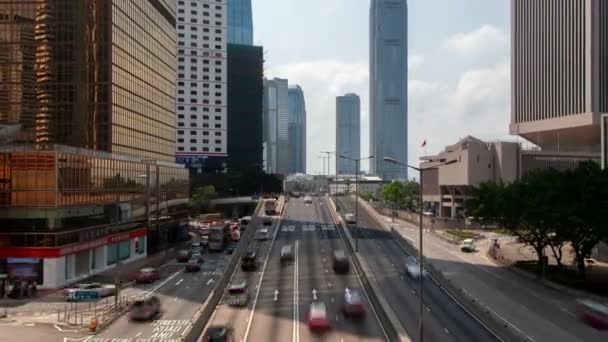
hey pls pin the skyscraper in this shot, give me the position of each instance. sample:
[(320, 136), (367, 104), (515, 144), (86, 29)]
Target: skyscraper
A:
[(245, 106), (240, 22), (559, 73), (202, 123), (297, 130), (388, 87), (276, 123), (72, 64), (348, 132)]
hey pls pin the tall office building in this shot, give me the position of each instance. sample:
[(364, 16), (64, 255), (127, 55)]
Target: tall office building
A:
[(91, 84), (297, 130), (71, 74), (240, 22), (202, 123), (348, 133), (559, 78), (388, 87), (245, 106), (276, 119)]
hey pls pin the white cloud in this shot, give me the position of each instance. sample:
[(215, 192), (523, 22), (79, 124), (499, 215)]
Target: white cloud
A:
[(414, 61), (487, 41)]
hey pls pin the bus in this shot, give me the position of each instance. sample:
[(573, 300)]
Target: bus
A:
[(217, 238)]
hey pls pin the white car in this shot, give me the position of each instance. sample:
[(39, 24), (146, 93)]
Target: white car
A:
[(468, 245), (350, 218), (412, 268)]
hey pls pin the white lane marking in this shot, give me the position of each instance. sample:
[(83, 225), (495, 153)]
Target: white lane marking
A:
[(179, 282), (276, 295), (175, 299), (209, 281), (63, 330), (329, 284), (326, 270), (139, 333), (155, 288), (568, 312), (332, 300), (446, 330), (314, 294), (428, 309), (80, 339), (257, 293), (296, 296)]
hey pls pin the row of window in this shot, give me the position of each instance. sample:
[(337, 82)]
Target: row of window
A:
[(195, 36), (195, 100), (195, 76), (195, 109), (195, 60), (194, 28), (205, 117), (194, 149), (205, 133), (205, 22), (195, 68), (195, 44), (194, 141), (205, 13), (194, 124), (194, 52), (194, 92), (195, 4)]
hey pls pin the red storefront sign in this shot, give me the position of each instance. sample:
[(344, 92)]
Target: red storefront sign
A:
[(55, 252)]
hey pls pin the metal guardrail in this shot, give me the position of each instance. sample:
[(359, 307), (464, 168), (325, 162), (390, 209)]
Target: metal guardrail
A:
[(394, 329)]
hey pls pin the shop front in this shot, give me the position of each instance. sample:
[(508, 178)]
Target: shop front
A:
[(55, 267)]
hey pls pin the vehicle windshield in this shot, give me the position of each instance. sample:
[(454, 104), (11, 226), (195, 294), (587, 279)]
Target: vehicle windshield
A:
[(237, 288), (318, 311)]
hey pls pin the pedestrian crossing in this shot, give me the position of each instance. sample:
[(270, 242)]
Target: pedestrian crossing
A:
[(307, 228)]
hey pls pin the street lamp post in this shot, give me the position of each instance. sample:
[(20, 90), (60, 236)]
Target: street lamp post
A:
[(329, 169), (357, 161), (420, 228)]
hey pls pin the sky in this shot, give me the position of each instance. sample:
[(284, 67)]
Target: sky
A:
[(459, 67)]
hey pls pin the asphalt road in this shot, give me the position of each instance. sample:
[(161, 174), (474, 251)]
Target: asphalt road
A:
[(542, 314), (444, 320), (278, 311)]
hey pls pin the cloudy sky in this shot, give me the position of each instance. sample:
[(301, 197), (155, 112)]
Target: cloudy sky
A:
[(458, 66)]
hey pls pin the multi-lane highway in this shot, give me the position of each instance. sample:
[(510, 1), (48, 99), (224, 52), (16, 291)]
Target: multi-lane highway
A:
[(281, 294), (444, 319)]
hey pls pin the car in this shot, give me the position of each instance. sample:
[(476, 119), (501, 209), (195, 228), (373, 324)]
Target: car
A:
[(593, 313), (244, 222), (286, 254), (267, 221), (145, 309), (194, 264), (340, 262), (350, 218), (412, 268), (147, 275), (317, 317), (262, 234), (205, 240), (218, 333), (230, 248), (249, 261), (468, 245), (238, 293), (76, 292), (353, 305), (183, 255)]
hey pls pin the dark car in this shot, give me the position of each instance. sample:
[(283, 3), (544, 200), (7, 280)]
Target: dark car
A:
[(340, 262), (194, 264), (249, 261), (353, 305), (230, 248), (145, 309), (218, 334), (183, 255)]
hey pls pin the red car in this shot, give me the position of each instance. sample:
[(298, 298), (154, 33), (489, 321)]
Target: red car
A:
[(195, 264), (593, 313), (317, 317), (353, 305), (147, 276), (183, 255)]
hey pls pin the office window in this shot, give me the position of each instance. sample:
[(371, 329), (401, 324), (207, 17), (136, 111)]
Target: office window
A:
[(218, 134), (193, 149), (192, 132), (217, 149)]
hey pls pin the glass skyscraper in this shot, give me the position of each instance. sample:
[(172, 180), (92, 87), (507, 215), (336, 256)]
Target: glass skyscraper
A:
[(240, 22), (348, 133), (388, 87), (297, 130), (276, 123)]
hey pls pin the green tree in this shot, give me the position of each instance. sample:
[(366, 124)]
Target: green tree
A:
[(583, 210), (401, 194), (201, 199)]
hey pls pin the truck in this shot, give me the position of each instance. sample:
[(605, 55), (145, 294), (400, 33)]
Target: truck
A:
[(217, 238), (270, 207)]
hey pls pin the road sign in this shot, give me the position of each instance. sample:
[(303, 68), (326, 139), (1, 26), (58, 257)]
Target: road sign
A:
[(84, 295)]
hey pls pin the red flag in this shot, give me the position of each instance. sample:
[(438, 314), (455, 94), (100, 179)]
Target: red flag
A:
[(423, 143)]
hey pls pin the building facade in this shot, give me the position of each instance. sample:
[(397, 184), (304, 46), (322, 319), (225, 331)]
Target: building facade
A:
[(245, 106), (240, 22), (297, 130), (87, 101), (80, 89), (559, 74), (388, 87), (605, 141), (202, 93), (276, 124), (348, 133)]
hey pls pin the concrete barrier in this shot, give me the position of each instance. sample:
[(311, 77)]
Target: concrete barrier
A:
[(386, 316), (200, 320)]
